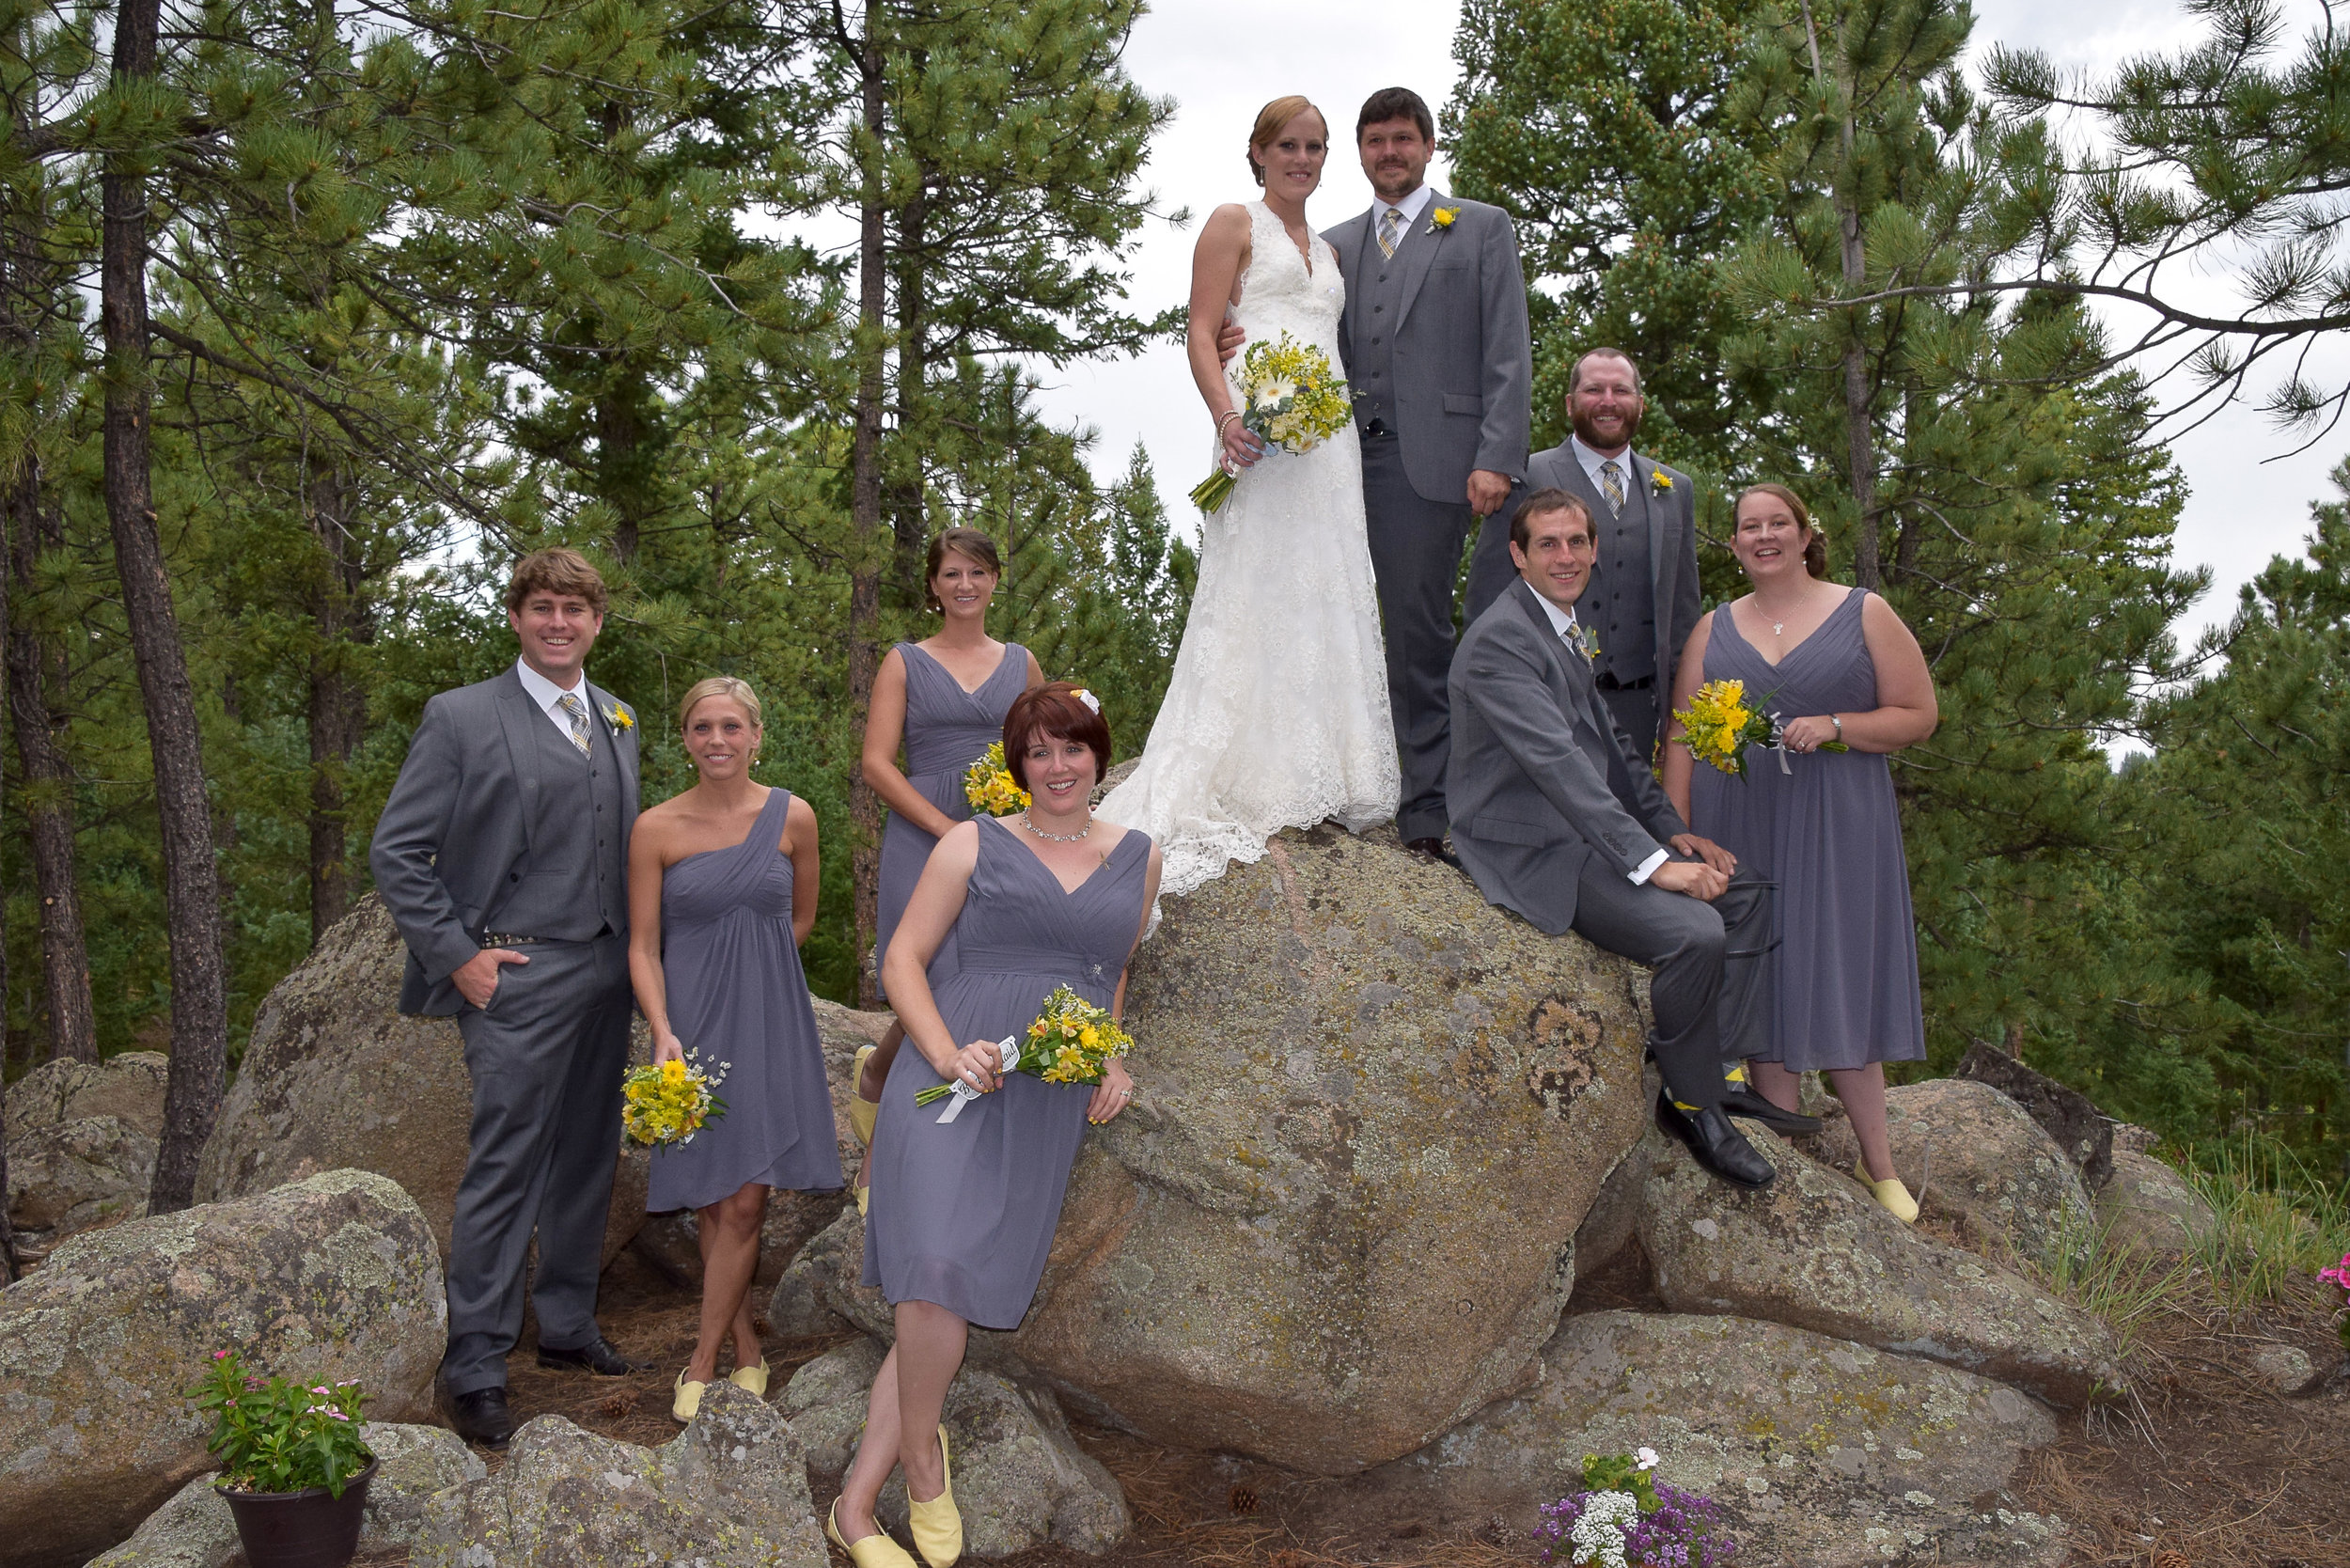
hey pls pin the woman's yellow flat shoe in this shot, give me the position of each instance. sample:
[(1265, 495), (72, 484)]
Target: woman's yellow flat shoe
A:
[(871, 1551), (863, 1113), (936, 1525), (1896, 1200), (689, 1402), (864, 1196), (754, 1379)]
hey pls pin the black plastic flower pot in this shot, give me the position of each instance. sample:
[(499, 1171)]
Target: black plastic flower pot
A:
[(301, 1530)]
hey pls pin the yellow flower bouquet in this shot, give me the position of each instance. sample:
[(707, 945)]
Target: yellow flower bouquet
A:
[(1719, 723), (666, 1103), (989, 785), (1072, 1041), (1291, 396)]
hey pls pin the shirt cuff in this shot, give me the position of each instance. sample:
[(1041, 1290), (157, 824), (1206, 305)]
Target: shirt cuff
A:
[(1647, 868)]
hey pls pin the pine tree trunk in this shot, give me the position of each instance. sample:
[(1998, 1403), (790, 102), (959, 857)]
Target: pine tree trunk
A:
[(48, 792), (907, 519), (338, 707), (8, 1270), (865, 507), (199, 1021)]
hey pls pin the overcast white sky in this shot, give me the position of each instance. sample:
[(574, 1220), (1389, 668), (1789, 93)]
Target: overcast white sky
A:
[(1221, 59)]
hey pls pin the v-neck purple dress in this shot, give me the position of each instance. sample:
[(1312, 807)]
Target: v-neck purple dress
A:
[(948, 730), (1829, 831), (737, 995), (962, 1215)]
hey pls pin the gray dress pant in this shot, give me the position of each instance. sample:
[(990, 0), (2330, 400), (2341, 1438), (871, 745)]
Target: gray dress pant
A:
[(1711, 991), (546, 1057), (1416, 547), (1636, 709)]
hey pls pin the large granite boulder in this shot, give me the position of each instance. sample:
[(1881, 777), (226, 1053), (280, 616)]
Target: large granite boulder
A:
[(1372, 1111), (2065, 1114), (2149, 1208), (1812, 1250), (1029, 1484), (194, 1529), (1822, 1453), (335, 1077), (333, 1278), (128, 1087), (731, 1488), (1976, 1160), (70, 1176)]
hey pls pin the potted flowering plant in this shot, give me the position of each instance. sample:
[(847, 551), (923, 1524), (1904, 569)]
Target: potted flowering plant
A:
[(294, 1467), (1624, 1517)]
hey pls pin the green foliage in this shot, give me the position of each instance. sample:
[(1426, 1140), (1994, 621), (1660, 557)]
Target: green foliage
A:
[(271, 1434)]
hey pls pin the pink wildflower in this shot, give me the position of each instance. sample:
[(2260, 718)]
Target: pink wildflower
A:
[(220, 1356)]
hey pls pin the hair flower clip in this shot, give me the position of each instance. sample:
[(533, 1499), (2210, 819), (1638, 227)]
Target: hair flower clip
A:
[(1093, 703), (1441, 218)]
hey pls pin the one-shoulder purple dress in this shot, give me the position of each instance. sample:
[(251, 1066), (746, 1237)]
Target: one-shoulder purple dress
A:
[(737, 995), (962, 1215), (1829, 831), (948, 730)]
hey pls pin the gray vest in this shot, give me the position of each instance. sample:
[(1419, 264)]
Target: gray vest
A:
[(571, 886), (1374, 304), (1621, 603)]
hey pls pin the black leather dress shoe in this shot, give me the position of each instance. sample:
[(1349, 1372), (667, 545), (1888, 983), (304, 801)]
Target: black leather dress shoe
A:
[(1433, 849), (598, 1355), (1754, 1107), (482, 1416), (1721, 1149)]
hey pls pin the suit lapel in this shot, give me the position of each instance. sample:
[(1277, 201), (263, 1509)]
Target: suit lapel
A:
[(1417, 258), (1644, 475), (623, 746), (516, 714), (1574, 684), (1570, 468)]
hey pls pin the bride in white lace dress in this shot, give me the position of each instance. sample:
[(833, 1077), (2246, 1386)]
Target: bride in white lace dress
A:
[(1276, 715)]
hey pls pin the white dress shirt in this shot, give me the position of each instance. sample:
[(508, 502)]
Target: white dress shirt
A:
[(1411, 207), (546, 694), (1570, 633), (1591, 460)]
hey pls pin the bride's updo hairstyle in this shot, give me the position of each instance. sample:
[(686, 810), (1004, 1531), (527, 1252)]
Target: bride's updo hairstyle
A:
[(1814, 541), (1059, 711), (1269, 122), (972, 545)]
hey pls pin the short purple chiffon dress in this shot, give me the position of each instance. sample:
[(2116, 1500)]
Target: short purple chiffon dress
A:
[(737, 995), (962, 1215), (1828, 830), (948, 730)]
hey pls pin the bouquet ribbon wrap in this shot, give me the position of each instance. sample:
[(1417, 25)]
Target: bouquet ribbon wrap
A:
[(962, 1093)]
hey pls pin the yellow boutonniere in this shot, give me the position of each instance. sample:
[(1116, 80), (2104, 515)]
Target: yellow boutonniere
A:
[(1661, 480), (1441, 218), (620, 717)]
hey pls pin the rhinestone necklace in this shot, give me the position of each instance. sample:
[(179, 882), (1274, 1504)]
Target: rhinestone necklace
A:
[(1056, 838)]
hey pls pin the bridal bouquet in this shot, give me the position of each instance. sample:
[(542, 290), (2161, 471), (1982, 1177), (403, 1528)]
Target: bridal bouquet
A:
[(989, 785), (668, 1103), (1072, 1041), (1291, 396), (1626, 1518), (1719, 723)]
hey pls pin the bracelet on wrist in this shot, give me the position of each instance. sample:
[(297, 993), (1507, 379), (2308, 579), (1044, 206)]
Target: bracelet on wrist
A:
[(1838, 720), (1228, 413)]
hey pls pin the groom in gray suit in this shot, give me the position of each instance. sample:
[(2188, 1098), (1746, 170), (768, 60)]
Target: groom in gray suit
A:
[(502, 856), (1556, 816), (1643, 599), (1437, 350)]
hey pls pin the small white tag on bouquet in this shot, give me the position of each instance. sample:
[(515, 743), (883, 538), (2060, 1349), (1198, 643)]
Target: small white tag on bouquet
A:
[(1008, 1050)]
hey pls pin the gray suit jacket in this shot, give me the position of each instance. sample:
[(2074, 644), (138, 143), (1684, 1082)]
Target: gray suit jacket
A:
[(456, 831), (1541, 778), (1672, 547), (1464, 359)]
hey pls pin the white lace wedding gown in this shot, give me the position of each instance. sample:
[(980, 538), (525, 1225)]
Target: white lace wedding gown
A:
[(1276, 715)]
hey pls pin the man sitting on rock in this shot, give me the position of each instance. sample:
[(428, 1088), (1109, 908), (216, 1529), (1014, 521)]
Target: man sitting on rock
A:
[(1557, 816), (502, 855)]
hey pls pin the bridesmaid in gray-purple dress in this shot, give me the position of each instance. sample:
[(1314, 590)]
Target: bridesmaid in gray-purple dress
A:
[(722, 892), (1832, 664), (943, 698), (963, 1213)]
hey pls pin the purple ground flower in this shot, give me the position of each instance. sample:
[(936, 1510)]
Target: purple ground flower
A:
[(1685, 1531)]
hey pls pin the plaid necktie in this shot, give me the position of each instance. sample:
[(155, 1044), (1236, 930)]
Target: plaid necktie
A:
[(577, 712), (1390, 230), (1612, 480)]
